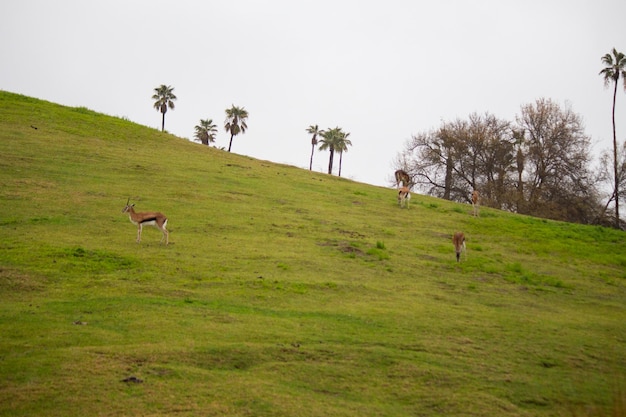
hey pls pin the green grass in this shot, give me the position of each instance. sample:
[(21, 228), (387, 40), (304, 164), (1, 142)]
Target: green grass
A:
[(283, 292)]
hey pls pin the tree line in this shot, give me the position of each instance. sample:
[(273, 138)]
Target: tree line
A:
[(539, 164), (205, 131), (334, 140)]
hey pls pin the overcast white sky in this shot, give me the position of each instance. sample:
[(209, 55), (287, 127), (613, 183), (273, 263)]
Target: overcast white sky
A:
[(381, 70)]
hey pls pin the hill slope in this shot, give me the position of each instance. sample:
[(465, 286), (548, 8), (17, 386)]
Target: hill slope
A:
[(283, 292)]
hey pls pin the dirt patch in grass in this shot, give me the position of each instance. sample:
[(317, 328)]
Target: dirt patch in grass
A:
[(93, 261), (12, 280)]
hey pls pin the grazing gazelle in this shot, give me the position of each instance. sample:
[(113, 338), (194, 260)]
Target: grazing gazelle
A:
[(476, 202), (404, 196), (459, 244), (402, 177), (155, 219)]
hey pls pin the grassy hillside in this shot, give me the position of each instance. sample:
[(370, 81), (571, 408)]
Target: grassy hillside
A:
[(283, 292)]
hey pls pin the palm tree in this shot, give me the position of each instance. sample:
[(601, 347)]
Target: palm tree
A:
[(235, 122), (615, 67), (342, 146), (205, 132), (313, 130), (164, 96), (331, 140)]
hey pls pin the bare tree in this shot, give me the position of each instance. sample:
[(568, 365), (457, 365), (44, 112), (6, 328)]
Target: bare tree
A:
[(539, 166), (463, 156), (485, 154), (558, 180), (428, 158), (607, 175)]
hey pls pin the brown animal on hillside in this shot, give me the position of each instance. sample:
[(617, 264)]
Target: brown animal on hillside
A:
[(476, 203), (155, 219), (459, 244), (404, 196), (402, 178)]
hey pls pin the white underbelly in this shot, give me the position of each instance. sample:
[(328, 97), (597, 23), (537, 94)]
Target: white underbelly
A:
[(146, 223)]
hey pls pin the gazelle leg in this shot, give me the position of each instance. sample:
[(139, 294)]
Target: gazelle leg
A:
[(165, 236)]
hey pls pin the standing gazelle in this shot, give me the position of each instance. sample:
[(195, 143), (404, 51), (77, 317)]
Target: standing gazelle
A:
[(404, 196), (476, 202), (155, 219), (459, 244), (402, 177)]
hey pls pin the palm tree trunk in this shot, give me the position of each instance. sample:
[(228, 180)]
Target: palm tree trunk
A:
[(163, 123), (340, 159), (311, 162), (330, 161), (231, 142), (617, 222)]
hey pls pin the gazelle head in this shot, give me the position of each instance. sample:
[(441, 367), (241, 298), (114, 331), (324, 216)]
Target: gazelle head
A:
[(128, 206)]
